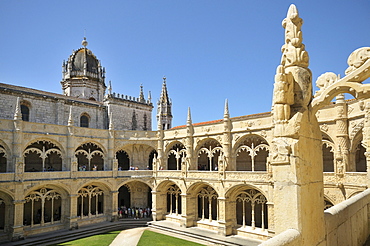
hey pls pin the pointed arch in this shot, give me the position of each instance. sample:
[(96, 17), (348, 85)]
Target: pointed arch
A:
[(252, 153)]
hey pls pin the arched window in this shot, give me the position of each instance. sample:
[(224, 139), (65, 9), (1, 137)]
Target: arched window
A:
[(251, 209), (328, 155), (90, 157), (252, 154), (177, 152), (84, 120), (42, 206), (360, 158), (208, 155), (42, 156), (174, 200), (123, 160), (207, 204), (3, 160), (25, 112), (90, 201)]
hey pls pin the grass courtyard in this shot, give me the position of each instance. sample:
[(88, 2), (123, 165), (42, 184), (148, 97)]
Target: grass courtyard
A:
[(147, 238)]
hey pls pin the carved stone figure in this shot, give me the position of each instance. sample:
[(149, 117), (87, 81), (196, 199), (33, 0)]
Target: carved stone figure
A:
[(283, 95)]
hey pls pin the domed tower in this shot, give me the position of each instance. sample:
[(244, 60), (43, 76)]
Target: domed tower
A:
[(83, 76)]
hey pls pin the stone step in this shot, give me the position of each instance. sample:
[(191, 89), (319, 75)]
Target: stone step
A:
[(199, 236)]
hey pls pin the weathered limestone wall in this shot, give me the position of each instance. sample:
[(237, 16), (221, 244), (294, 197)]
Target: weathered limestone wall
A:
[(347, 223)]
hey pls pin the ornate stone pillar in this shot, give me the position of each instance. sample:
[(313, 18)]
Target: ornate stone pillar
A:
[(160, 160), (342, 153), (18, 158), (188, 216), (226, 144), (159, 205), (114, 205), (111, 137), (296, 153), (270, 216), (17, 230), (225, 216), (71, 214), (70, 157), (189, 143)]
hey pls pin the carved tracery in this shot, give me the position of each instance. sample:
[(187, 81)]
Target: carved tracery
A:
[(41, 206)]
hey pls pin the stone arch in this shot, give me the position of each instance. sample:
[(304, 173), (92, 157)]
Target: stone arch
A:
[(251, 153), (357, 154), (208, 152), (90, 157), (5, 162), (138, 191), (328, 150), (43, 155), (46, 139), (97, 193), (140, 154), (353, 193), (123, 159), (45, 205), (328, 202), (6, 211), (174, 152), (249, 204)]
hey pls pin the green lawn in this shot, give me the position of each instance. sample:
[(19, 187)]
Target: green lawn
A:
[(97, 240), (157, 239)]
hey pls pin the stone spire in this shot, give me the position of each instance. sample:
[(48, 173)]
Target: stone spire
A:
[(226, 111), (188, 120), (110, 88), (18, 113), (141, 97), (149, 97), (164, 115)]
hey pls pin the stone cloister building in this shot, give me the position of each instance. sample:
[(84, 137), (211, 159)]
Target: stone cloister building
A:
[(66, 159)]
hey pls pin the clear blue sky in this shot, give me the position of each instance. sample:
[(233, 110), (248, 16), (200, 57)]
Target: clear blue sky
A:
[(209, 50)]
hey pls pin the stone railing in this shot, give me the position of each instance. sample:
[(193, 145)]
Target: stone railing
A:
[(347, 223)]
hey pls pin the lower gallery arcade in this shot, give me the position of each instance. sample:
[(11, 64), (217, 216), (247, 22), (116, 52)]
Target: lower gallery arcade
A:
[(238, 200)]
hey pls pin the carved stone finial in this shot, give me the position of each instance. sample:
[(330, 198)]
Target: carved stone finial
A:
[(111, 126), (293, 50), (18, 113), (110, 88), (324, 81), (188, 121), (141, 97), (357, 58), (70, 118), (226, 110)]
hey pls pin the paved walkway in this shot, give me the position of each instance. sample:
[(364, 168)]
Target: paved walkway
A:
[(128, 237)]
